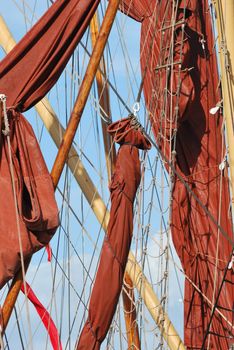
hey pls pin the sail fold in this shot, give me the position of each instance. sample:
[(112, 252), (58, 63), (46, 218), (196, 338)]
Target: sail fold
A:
[(27, 73), (181, 85), (34, 65), (114, 254)]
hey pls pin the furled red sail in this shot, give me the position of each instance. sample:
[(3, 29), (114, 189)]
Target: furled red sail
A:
[(44, 50), (123, 187), (37, 217), (180, 87)]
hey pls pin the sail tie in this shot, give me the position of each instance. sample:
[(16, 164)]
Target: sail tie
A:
[(6, 131)]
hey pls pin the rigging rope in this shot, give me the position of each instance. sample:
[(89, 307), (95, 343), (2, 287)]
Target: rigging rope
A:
[(129, 109), (6, 133)]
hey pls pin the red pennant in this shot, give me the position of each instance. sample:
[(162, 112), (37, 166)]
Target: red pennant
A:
[(45, 317)]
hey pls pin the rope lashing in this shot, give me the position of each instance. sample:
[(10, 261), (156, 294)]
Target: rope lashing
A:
[(135, 122), (6, 131)]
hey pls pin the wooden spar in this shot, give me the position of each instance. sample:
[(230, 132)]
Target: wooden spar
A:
[(110, 154), (84, 90), (153, 305), (6, 40), (12, 295), (130, 314), (104, 101), (225, 25), (94, 199)]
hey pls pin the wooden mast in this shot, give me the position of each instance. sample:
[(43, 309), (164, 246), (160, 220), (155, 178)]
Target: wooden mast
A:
[(99, 209), (104, 101), (225, 25), (110, 154), (84, 90)]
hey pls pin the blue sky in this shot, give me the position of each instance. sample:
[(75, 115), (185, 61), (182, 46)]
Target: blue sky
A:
[(126, 77)]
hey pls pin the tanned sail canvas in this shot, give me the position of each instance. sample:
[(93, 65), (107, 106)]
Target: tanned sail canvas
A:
[(169, 201)]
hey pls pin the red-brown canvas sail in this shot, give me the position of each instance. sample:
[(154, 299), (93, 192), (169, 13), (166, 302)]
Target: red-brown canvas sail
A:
[(180, 87), (123, 187), (37, 213), (44, 51)]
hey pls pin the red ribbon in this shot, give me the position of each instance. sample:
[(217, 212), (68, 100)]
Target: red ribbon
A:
[(49, 252), (45, 317)]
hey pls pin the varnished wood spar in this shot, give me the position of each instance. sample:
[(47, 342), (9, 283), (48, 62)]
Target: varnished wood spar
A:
[(153, 304), (225, 26), (95, 201), (104, 100), (12, 295), (84, 90), (130, 314), (110, 154)]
